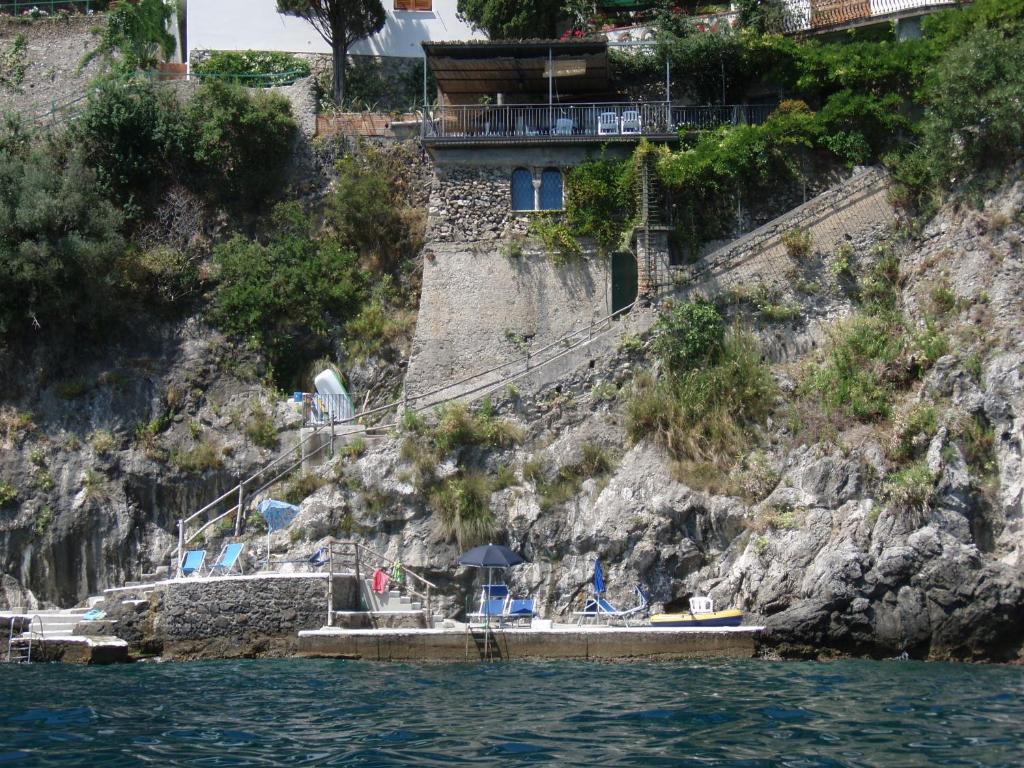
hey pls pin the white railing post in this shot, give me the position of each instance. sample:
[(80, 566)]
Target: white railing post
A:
[(241, 506), (181, 549)]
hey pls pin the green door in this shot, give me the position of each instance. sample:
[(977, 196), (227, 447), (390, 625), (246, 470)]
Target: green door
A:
[(623, 280)]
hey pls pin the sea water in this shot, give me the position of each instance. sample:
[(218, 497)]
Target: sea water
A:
[(698, 713)]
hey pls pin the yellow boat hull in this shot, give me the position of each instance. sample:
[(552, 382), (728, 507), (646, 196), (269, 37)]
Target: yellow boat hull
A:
[(730, 618)]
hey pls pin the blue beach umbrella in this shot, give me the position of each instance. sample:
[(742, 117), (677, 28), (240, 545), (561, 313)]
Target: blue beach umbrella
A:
[(490, 556), (598, 578), (279, 515)]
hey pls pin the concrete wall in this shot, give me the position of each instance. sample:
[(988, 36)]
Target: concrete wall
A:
[(236, 25), (480, 308), (54, 49), (600, 644), (855, 210), (240, 615)]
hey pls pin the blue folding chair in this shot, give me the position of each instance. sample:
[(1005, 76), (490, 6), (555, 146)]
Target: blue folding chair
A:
[(228, 560), (522, 611), (493, 603), (193, 562)]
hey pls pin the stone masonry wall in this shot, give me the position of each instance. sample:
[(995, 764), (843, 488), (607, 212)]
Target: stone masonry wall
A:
[(854, 211), (472, 204), (244, 608), (54, 50), (480, 308)]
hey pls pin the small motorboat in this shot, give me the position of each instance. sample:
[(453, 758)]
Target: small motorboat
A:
[(702, 613)]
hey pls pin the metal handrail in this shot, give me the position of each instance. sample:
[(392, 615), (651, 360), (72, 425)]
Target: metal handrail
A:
[(54, 5), (530, 366), (358, 548)]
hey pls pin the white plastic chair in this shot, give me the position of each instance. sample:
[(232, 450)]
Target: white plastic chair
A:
[(631, 121), (607, 123), (563, 126), (702, 605)]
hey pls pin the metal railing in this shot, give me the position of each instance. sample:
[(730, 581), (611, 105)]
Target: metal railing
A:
[(248, 488), (248, 79), (583, 120), (536, 120), (357, 557), (20, 7), (810, 15), (469, 388)]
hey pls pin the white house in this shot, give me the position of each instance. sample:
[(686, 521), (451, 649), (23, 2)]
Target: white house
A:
[(239, 25)]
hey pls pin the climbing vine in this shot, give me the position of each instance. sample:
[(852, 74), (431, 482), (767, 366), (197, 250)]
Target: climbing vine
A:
[(13, 64)]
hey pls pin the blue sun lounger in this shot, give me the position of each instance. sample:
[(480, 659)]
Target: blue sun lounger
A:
[(598, 608), (228, 560), (493, 604), (193, 562), (522, 611)]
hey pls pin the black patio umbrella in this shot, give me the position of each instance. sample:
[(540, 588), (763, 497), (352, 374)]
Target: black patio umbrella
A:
[(490, 556)]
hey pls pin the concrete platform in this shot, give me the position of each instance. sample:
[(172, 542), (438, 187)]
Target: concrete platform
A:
[(79, 650), (556, 642)]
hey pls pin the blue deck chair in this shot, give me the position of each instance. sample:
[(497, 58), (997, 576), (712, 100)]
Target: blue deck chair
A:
[(193, 562), (228, 559), (493, 603), (598, 608), (522, 611)]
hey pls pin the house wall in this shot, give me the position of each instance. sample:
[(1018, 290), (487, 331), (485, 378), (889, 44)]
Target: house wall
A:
[(516, 302), (236, 25)]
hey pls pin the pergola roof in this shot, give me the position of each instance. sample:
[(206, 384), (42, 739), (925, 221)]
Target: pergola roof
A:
[(519, 67)]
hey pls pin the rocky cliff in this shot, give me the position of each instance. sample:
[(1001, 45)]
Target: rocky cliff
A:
[(890, 535)]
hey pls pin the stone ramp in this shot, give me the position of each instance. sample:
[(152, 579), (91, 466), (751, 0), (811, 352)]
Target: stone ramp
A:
[(857, 210)]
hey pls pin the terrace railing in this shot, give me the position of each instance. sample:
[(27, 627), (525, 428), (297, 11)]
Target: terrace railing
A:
[(49, 7), (519, 121), (810, 15), (361, 560)]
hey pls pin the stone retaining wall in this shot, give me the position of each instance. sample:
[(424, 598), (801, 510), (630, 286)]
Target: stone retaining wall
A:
[(480, 308), (244, 615), (855, 211), (54, 49), (473, 204)]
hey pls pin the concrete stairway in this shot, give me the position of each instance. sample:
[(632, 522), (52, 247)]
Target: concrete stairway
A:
[(392, 601), (56, 624)]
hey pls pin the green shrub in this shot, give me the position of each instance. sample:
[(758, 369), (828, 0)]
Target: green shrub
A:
[(504, 478), (912, 489), (852, 379), (202, 457), (102, 441), (253, 68), (463, 505), (135, 135), (288, 294), (689, 335), (60, 247), (604, 392), (600, 199), (43, 520), (705, 414), (912, 431), (354, 448), (37, 457), (302, 487), (561, 245), (44, 480), (260, 428), (241, 142), (135, 37), (797, 242), (8, 493)]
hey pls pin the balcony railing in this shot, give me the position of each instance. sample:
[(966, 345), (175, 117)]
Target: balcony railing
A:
[(806, 15), (500, 123)]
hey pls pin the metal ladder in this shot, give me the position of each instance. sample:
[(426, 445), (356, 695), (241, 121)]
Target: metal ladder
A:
[(19, 646)]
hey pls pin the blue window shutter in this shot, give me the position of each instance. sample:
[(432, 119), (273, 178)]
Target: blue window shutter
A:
[(551, 190), (522, 190)]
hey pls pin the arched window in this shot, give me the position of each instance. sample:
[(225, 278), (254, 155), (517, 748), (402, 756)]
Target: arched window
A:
[(522, 190), (551, 190)]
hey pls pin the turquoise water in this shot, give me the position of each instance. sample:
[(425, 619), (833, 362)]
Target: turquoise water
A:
[(300, 712)]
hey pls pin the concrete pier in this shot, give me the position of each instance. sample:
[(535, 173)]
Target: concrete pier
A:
[(557, 642)]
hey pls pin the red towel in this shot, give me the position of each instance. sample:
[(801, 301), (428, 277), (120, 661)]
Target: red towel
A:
[(380, 581)]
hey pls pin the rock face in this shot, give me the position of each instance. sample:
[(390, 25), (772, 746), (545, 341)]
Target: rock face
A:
[(816, 544)]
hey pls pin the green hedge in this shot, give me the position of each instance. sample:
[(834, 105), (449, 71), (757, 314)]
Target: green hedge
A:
[(259, 68)]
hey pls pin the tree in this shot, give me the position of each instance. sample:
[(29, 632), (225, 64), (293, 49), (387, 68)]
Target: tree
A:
[(341, 23), (136, 36), (519, 20)]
